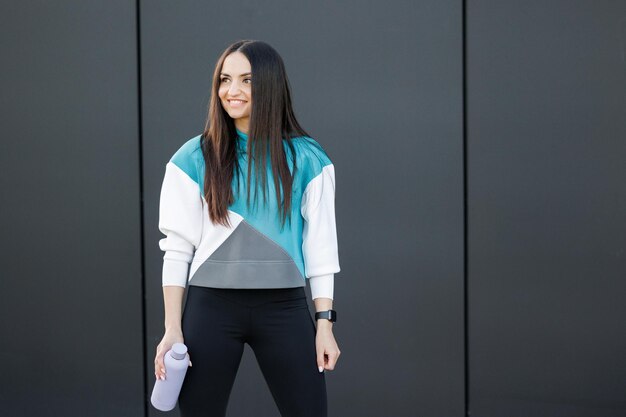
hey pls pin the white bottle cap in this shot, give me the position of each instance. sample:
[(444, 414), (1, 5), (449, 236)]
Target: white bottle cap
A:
[(179, 350)]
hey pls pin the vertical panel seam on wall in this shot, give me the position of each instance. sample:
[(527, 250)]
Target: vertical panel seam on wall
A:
[(465, 215), (141, 213)]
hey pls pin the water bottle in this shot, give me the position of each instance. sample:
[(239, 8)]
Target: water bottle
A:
[(165, 392)]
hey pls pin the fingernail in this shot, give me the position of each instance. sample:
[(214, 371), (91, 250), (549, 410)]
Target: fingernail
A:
[(321, 368), (162, 377)]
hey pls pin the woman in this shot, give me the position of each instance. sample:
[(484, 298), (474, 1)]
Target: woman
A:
[(244, 237)]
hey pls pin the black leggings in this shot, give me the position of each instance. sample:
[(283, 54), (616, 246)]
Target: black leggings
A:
[(276, 324)]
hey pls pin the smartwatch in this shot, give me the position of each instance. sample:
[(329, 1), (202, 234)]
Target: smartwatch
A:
[(328, 315)]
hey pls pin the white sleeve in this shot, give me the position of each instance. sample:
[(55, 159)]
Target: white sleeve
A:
[(322, 286), (180, 219), (319, 245)]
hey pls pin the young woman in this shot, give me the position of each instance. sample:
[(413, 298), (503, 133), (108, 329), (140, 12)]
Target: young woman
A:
[(248, 211)]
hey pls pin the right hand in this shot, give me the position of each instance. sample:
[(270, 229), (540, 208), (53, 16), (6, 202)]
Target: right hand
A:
[(168, 340)]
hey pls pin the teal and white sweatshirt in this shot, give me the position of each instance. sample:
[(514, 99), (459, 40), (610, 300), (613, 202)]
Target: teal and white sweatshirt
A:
[(254, 252)]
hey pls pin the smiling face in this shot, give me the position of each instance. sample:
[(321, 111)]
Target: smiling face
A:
[(235, 89)]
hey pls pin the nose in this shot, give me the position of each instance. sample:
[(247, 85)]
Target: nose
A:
[(233, 89)]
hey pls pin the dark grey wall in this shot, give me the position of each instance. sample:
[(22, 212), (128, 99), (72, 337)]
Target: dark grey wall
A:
[(381, 89), (546, 140), (90, 118), (71, 281)]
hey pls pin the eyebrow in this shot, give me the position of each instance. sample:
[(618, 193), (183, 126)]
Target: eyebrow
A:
[(247, 73)]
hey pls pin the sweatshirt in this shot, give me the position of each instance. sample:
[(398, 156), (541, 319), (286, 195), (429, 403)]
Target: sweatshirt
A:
[(254, 252)]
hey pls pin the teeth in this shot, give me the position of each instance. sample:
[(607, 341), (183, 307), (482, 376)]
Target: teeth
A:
[(236, 101)]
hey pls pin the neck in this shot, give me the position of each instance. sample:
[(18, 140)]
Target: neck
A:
[(242, 126)]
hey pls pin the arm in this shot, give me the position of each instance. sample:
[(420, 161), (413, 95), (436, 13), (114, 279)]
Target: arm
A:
[(173, 300), (322, 304), (319, 233), (322, 288), (321, 258), (325, 344), (180, 212)]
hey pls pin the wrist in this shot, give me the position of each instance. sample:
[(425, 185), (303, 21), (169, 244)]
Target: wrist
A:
[(323, 324), (330, 315), (173, 329)]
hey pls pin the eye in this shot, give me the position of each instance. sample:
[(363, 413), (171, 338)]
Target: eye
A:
[(245, 79)]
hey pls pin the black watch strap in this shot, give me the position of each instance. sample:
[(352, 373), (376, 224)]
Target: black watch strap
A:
[(328, 315)]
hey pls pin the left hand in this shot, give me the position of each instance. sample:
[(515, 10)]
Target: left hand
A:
[(327, 350)]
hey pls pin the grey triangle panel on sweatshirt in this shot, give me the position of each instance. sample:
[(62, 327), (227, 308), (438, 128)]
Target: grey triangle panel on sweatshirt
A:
[(248, 259)]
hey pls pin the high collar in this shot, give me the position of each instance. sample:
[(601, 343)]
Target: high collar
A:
[(242, 136)]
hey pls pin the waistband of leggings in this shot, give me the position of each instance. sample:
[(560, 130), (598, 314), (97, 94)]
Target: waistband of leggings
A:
[(254, 294)]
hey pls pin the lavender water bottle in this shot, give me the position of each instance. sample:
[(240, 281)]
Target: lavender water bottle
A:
[(165, 392)]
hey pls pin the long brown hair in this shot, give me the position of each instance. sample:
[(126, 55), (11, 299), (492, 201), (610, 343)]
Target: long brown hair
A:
[(272, 120)]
